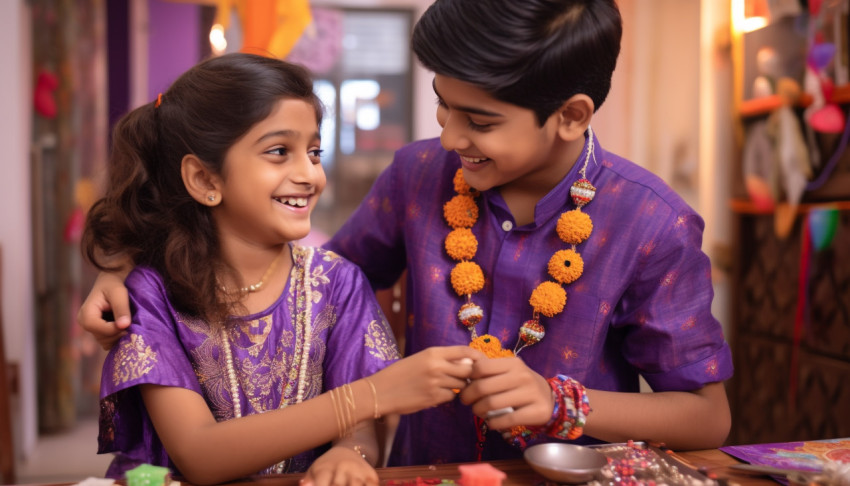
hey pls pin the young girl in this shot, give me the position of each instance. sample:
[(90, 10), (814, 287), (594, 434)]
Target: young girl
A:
[(247, 353)]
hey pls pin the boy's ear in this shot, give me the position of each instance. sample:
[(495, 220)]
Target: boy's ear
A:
[(574, 117), (202, 184)]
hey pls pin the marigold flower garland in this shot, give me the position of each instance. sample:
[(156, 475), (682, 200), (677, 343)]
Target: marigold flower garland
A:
[(549, 298)]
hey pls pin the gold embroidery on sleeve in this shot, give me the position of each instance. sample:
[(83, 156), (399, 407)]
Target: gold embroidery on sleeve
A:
[(380, 342), (133, 360)]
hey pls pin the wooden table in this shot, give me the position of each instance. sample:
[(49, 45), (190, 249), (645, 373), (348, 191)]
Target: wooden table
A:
[(717, 462), (520, 474)]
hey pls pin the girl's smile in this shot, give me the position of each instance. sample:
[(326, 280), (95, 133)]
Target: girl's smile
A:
[(293, 203)]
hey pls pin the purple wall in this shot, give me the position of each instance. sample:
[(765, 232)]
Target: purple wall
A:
[(174, 44), (118, 59)]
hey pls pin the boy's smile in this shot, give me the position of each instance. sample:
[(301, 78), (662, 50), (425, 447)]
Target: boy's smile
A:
[(500, 144), (473, 160)]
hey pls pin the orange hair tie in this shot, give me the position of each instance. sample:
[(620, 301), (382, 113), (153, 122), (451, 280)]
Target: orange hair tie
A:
[(158, 100)]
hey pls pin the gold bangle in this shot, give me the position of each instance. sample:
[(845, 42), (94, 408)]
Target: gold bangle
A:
[(339, 424), (344, 431), (374, 397), (359, 450), (350, 409)]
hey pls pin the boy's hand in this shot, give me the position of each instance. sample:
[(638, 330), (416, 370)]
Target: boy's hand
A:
[(340, 465), (106, 311), (424, 379), (507, 382)]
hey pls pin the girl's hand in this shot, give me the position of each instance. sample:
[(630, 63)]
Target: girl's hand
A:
[(424, 379), (106, 311), (340, 466), (507, 382)]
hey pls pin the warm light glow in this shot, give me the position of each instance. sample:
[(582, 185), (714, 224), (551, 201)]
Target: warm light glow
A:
[(741, 22), (217, 40), (753, 23)]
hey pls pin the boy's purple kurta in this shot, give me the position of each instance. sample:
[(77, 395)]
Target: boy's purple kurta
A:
[(327, 308), (641, 307)]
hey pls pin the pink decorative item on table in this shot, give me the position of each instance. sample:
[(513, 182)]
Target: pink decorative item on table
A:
[(480, 474)]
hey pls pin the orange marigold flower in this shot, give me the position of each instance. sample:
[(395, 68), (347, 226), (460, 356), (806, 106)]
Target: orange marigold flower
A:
[(467, 278), (490, 346), (574, 227), (461, 244), (548, 299), (461, 211), (461, 186), (566, 266), (518, 430)]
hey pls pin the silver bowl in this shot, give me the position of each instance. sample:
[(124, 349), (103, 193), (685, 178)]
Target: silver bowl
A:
[(565, 463)]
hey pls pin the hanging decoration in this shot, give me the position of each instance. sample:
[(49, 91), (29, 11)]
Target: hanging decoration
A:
[(44, 101), (800, 314), (759, 167), (822, 114), (791, 152), (73, 229), (269, 27), (823, 223)]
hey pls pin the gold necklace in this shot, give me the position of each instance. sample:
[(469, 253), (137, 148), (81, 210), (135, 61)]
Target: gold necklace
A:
[(257, 286), (565, 266)]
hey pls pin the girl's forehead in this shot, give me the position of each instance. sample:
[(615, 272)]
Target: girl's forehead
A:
[(290, 118), (291, 111)]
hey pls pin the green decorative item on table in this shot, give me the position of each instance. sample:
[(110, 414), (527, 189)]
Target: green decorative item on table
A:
[(148, 475)]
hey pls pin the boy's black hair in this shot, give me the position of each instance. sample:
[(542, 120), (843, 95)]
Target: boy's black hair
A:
[(531, 53)]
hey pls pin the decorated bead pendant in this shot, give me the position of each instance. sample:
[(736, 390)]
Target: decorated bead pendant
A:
[(532, 332), (470, 314), (582, 192)]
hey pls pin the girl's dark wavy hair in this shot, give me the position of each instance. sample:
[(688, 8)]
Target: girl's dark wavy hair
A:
[(535, 54), (146, 213)]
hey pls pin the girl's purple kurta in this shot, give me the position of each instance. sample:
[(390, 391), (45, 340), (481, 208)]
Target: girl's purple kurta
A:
[(641, 307), (325, 330)]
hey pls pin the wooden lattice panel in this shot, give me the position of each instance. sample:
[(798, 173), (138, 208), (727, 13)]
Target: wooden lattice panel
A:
[(767, 296), (766, 407), (823, 398), (760, 398)]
